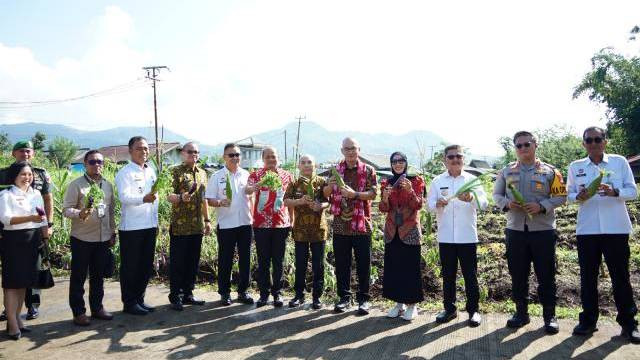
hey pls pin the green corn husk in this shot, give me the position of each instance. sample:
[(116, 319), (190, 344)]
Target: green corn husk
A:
[(94, 197), (309, 190), (517, 196), (160, 182), (338, 178), (271, 180), (593, 187), (227, 188), (469, 187)]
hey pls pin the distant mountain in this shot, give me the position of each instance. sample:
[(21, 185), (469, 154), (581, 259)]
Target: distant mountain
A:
[(314, 139)]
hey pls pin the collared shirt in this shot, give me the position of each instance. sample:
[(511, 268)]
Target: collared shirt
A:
[(41, 180), (342, 224), (268, 208), (457, 220), (308, 225), (15, 202), (239, 212), (101, 223), (134, 182), (602, 214), (187, 217), (534, 182)]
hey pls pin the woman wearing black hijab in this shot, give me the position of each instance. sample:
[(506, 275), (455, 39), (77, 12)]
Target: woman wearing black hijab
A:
[(402, 199)]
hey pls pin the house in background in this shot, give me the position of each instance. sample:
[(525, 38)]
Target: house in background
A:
[(634, 162), (119, 154), (478, 167), (251, 153)]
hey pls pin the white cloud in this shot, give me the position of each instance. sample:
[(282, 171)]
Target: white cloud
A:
[(469, 71)]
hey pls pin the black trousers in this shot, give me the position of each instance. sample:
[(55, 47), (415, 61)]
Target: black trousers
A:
[(539, 247), (317, 266), (91, 256), (466, 254), (137, 251), (343, 245), (184, 261), (228, 240), (270, 247), (615, 248)]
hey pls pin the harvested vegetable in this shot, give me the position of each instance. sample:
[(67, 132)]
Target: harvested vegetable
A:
[(338, 178), (271, 180), (517, 196), (227, 188), (593, 187), (194, 186), (160, 183), (40, 211), (470, 187), (94, 197)]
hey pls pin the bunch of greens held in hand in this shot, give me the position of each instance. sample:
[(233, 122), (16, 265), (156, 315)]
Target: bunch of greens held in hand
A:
[(94, 197), (471, 187), (271, 180)]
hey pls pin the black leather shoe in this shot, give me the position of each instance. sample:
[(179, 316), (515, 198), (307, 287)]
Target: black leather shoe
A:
[(583, 329), (277, 301), (316, 304), (192, 300), (262, 301), (296, 301), (32, 313), (15, 336), (631, 333), (363, 308), (135, 310), (445, 316), (25, 330), (245, 298), (225, 300), (177, 306), (342, 305), (518, 321), (147, 307), (551, 325), (3, 316), (475, 319)]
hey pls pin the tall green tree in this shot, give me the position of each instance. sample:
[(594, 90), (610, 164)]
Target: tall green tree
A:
[(615, 82), (61, 151), (38, 140), (5, 143)]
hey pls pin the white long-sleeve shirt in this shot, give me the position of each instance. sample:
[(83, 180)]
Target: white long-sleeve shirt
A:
[(15, 202), (134, 182), (456, 221), (602, 214), (239, 212)]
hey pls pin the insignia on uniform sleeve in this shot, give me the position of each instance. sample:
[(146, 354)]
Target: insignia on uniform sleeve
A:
[(558, 187)]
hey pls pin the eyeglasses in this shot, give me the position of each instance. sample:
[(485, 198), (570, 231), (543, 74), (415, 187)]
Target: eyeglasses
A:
[(527, 144), (350, 148), (232, 155), (191, 152), (398, 161), (596, 140), (456, 156), (94, 162)]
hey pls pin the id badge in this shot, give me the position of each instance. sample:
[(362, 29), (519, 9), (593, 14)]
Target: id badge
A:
[(100, 209), (262, 199)]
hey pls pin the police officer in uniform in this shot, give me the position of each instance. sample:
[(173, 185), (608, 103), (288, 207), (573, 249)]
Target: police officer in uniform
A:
[(530, 233), (23, 151)]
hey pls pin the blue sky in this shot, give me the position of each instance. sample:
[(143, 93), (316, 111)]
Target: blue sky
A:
[(469, 71)]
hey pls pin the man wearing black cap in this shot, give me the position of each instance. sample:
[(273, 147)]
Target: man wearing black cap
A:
[(23, 151)]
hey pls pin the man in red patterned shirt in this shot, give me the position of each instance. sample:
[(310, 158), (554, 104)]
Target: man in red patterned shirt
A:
[(271, 224)]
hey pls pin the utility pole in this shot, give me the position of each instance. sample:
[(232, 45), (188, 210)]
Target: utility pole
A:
[(432, 147), (300, 118), (151, 75), (285, 146)]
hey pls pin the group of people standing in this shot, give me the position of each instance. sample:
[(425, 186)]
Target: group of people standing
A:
[(268, 204)]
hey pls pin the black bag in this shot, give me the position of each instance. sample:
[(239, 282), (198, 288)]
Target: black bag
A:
[(45, 278), (109, 265)]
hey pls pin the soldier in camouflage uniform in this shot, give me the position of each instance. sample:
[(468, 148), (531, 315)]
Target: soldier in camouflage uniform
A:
[(23, 151), (530, 233)]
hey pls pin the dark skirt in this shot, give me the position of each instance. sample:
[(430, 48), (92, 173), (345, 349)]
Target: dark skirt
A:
[(19, 255), (402, 281)]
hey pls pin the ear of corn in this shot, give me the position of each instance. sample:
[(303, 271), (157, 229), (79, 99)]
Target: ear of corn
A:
[(593, 187), (310, 191), (338, 178), (470, 187), (227, 188), (517, 196)]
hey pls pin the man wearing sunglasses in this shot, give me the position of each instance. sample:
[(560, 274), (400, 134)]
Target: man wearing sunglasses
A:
[(603, 229), (189, 222), (234, 224), (457, 233), (530, 233), (93, 232), (23, 151)]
